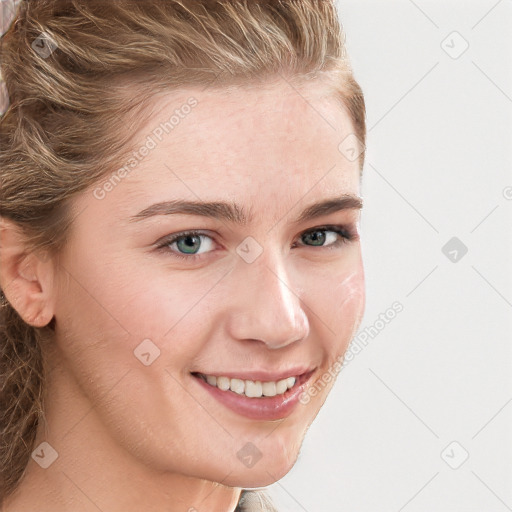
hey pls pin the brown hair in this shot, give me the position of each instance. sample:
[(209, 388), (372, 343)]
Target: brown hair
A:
[(71, 68)]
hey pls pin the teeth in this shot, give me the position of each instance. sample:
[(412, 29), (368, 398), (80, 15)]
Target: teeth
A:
[(250, 388), (281, 386), (269, 388), (238, 386), (222, 383), (253, 389)]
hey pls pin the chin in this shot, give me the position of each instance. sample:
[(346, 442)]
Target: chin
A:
[(261, 474)]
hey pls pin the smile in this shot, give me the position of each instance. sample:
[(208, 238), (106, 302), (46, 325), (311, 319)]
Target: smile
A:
[(263, 399), (250, 388)]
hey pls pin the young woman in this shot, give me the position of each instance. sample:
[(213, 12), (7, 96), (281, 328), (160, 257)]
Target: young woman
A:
[(180, 262)]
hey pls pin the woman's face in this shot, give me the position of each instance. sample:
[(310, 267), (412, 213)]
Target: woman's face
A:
[(139, 315)]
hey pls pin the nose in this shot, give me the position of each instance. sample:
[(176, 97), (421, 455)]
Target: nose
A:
[(266, 306)]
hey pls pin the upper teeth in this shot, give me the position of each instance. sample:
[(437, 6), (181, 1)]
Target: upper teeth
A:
[(251, 388)]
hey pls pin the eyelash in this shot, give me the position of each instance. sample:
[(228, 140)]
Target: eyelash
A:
[(346, 236)]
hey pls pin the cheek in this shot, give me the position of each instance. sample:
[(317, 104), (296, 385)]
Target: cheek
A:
[(124, 296), (344, 306), (105, 314)]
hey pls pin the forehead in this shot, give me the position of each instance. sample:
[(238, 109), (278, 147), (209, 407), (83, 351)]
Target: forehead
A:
[(257, 144)]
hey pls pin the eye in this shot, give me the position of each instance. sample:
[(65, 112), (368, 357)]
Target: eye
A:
[(339, 235), (189, 242), (191, 247)]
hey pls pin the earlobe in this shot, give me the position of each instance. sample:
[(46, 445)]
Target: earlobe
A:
[(25, 279)]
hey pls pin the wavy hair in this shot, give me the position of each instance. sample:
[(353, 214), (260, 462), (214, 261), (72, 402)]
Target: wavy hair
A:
[(70, 68)]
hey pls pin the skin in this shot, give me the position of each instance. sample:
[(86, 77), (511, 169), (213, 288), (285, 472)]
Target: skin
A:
[(121, 427)]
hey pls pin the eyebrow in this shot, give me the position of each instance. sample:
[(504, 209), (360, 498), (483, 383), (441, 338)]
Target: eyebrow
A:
[(234, 213)]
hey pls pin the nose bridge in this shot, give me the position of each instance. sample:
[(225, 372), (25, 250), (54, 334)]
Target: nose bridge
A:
[(267, 305)]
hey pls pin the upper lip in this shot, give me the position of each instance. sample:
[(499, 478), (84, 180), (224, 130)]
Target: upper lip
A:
[(261, 375)]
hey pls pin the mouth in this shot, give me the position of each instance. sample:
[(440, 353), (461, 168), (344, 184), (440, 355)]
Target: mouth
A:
[(262, 399), (253, 388)]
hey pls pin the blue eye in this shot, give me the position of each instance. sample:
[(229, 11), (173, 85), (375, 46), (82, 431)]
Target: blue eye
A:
[(190, 241)]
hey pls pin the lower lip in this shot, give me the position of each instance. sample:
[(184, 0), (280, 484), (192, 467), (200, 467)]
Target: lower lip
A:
[(264, 408)]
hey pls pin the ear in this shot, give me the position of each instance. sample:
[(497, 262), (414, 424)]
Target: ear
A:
[(26, 278)]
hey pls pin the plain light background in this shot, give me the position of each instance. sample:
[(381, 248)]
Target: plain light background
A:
[(421, 418)]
